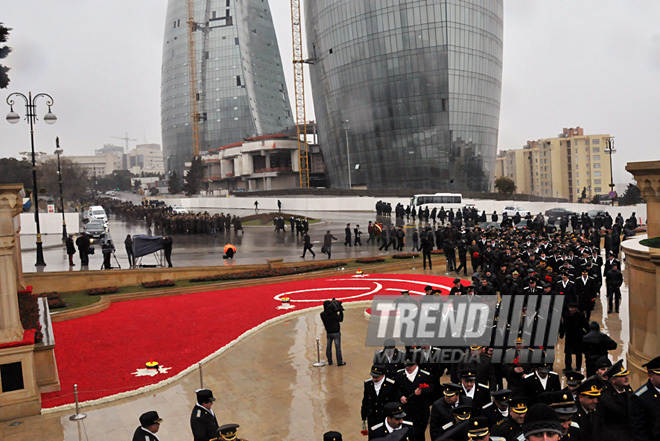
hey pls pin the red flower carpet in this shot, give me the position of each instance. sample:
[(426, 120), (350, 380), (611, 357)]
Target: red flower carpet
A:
[(105, 353)]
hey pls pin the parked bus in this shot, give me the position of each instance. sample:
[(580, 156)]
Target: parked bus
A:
[(437, 200)]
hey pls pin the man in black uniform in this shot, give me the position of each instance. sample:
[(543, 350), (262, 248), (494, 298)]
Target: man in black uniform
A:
[(415, 389), (203, 423), (573, 380), (644, 406), (393, 422), (458, 429), (149, 425), (378, 391), (478, 392), (563, 404), (510, 428), (539, 381), (442, 417), (574, 326), (499, 408), (347, 235), (458, 289), (587, 416), (595, 344), (612, 406)]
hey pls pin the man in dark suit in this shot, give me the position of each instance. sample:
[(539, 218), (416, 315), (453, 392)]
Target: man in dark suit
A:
[(203, 423), (149, 425), (378, 391), (442, 416), (543, 379), (498, 409), (644, 406), (574, 326), (586, 289)]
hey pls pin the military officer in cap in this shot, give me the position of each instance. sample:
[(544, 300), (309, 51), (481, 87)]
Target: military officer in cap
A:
[(442, 416), (510, 428), (478, 392), (573, 380), (332, 436), (415, 392), (543, 379), (563, 403), (394, 421), (390, 357), (542, 423), (644, 407), (203, 423), (612, 405), (478, 429), (149, 425), (378, 391), (458, 429), (228, 432), (498, 409), (587, 417)]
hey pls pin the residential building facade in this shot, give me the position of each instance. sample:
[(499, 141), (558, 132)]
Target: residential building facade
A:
[(407, 94), (567, 166), (239, 80)]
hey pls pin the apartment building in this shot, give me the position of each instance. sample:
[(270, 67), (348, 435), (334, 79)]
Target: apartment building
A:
[(561, 167)]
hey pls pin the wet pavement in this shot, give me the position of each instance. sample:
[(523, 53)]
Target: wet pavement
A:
[(255, 245)]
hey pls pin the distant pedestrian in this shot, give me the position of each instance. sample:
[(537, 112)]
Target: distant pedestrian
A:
[(256, 207), (307, 245), (83, 244), (70, 249), (279, 206), (327, 243), (347, 238), (128, 244), (167, 247), (358, 235)]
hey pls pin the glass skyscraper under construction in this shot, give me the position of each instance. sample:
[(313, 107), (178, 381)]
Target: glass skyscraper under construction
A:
[(419, 82), (240, 89)]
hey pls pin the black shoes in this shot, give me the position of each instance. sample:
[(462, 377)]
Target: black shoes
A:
[(343, 363), (330, 363)]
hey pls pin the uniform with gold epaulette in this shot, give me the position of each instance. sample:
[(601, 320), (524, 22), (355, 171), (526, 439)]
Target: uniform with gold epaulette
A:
[(498, 409), (533, 387), (587, 419), (372, 410), (228, 432), (479, 393), (509, 428), (645, 405)]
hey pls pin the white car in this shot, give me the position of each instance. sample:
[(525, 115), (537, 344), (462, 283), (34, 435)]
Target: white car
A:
[(511, 211), (178, 209)]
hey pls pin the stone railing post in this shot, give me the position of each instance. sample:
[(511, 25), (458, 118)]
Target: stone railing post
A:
[(647, 175)]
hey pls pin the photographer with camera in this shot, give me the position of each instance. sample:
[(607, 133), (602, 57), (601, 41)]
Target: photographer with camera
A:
[(332, 316), (107, 248)]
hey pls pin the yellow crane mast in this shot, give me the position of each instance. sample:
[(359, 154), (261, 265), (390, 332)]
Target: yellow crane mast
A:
[(299, 86), (192, 78)]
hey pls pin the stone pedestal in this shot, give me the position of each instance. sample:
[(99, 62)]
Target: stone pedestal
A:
[(643, 266)]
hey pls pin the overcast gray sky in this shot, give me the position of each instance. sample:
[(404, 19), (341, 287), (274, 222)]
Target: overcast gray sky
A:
[(592, 63)]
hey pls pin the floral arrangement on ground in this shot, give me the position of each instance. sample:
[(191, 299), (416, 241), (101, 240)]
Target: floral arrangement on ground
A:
[(158, 283), (104, 290), (28, 309), (54, 299), (269, 272), (438, 251), (369, 259), (405, 256)]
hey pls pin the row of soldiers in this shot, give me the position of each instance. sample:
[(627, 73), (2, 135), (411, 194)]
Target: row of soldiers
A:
[(164, 221), (408, 395)]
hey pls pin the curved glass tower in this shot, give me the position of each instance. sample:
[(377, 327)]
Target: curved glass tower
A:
[(419, 82), (240, 87)]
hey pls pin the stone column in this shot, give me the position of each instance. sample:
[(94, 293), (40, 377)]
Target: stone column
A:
[(647, 175), (11, 204), (643, 267)]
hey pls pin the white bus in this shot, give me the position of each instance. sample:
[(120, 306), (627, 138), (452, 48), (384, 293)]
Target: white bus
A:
[(437, 200)]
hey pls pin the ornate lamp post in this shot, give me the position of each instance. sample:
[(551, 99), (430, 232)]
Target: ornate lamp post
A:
[(611, 150), (31, 116), (58, 152)]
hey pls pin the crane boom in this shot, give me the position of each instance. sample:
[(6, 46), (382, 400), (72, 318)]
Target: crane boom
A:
[(299, 86), (192, 78), (125, 138)]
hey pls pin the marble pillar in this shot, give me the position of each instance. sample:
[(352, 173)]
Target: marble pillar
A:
[(643, 266), (11, 205)]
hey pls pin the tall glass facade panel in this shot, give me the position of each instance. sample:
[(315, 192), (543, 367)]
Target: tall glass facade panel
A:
[(241, 91), (419, 82)]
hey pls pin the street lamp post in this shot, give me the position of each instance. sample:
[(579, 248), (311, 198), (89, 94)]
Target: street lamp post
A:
[(58, 152), (611, 150), (347, 126), (31, 116)]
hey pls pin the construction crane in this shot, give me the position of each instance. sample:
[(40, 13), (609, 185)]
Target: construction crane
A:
[(299, 87), (192, 78), (125, 138)]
